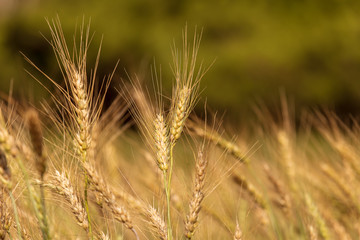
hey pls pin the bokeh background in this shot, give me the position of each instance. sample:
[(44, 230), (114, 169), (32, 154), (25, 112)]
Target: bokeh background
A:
[(310, 49)]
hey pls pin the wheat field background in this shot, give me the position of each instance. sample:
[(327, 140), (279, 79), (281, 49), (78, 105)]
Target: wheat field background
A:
[(148, 167)]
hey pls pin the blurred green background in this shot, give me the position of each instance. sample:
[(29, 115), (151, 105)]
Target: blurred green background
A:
[(308, 48)]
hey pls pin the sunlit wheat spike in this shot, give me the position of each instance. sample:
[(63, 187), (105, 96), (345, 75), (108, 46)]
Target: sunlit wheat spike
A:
[(78, 87), (36, 135), (312, 232), (284, 199), (103, 236), (83, 112), (157, 223), (336, 178), (185, 91), (320, 222), (252, 191), (61, 184), (162, 143), (120, 213), (180, 113), (132, 202), (286, 152), (198, 196), (238, 233), (218, 140)]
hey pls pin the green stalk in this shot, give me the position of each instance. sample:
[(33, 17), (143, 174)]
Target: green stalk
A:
[(86, 203), (168, 192), (43, 210), (168, 195), (10, 235)]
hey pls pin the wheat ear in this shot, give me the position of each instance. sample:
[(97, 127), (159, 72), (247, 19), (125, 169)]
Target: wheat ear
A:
[(157, 223), (161, 143), (314, 212), (197, 197), (312, 232), (119, 212), (180, 113), (238, 233), (219, 141), (61, 185), (248, 187), (284, 198), (343, 186)]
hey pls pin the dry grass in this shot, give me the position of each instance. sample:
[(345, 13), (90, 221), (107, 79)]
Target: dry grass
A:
[(71, 170)]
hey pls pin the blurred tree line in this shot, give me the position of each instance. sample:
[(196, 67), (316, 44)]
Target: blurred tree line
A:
[(309, 48)]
